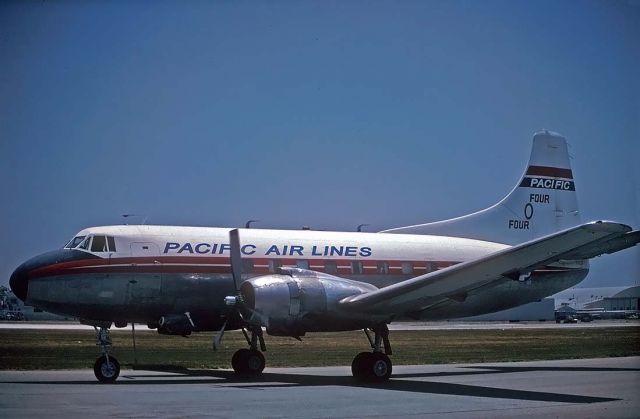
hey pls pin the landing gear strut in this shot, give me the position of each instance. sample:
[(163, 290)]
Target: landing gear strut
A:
[(374, 366), (106, 368), (250, 361)]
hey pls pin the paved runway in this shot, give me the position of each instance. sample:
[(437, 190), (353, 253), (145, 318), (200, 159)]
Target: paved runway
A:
[(568, 388), (436, 325)]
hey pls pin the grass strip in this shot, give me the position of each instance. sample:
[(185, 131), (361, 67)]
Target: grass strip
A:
[(63, 349)]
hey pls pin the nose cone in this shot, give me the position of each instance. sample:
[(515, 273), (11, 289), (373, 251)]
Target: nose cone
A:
[(19, 282)]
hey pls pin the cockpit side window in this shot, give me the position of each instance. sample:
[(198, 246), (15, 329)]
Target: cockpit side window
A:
[(85, 243), (99, 244), (74, 242)]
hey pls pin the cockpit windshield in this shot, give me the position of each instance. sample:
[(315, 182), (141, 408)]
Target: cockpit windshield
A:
[(93, 243), (74, 242)]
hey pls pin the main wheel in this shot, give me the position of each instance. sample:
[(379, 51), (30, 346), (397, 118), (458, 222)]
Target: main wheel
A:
[(254, 362), (106, 372), (248, 362), (235, 360), (380, 367), (371, 367), (359, 366)]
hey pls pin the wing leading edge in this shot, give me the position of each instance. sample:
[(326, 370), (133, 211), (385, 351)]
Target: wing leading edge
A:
[(581, 242)]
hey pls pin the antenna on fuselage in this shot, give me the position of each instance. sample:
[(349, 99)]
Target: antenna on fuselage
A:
[(359, 229), (248, 223), (144, 220)]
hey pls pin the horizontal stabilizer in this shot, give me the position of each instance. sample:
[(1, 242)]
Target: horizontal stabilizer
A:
[(419, 293), (607, 246)]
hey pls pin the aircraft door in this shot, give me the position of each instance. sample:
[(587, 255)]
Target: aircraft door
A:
[(146, 280), (144, 249)]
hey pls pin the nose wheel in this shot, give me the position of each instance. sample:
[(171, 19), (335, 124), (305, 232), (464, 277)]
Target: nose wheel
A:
[(106, 368)]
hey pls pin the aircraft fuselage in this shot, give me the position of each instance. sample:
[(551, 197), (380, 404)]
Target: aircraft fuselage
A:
[(140, 273)]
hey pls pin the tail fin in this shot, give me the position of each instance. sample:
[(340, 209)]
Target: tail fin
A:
[(543, 201)]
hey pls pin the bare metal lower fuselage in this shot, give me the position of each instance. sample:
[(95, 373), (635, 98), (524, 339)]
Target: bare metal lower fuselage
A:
[(145, 297)]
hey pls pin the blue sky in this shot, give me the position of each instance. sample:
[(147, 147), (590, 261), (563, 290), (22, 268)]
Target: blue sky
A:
[(327, 114)]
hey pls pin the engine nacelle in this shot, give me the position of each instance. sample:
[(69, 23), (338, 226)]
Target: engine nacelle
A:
[(176, 324), (302, 301)]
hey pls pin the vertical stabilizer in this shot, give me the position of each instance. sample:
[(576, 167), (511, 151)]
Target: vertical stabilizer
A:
[(543, 201)]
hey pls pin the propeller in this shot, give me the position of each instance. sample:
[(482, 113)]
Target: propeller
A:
[(236, 302), (236, 259)]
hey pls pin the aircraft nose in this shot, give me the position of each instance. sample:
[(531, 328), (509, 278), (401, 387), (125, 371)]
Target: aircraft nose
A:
[(19, 282)]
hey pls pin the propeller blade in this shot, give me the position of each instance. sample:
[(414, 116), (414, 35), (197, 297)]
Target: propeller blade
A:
[(217, 338), (236, 258)]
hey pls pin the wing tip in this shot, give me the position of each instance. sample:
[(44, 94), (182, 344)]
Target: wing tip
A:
[(608, 226)]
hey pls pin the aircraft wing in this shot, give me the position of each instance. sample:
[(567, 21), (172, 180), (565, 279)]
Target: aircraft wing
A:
[(417, 294)]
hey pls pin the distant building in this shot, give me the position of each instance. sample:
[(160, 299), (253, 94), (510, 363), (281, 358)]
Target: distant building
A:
[(627, 299), (578, 298), (536, 311)]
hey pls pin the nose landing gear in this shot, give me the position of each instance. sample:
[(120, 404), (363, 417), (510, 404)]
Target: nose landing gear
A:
[(106, 368)]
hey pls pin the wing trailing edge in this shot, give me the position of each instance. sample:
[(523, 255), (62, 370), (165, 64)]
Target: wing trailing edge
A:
[(581, 242)]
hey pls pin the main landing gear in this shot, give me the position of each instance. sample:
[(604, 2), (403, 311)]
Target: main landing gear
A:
[(374, 366), (366, 366), (106, 368), (250, 361)]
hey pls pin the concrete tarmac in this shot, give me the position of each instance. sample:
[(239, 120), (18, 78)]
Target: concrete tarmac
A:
[(604, 387), (435, 325)]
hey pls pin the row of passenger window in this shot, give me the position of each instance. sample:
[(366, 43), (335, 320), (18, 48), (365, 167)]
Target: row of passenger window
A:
[(356, 267)]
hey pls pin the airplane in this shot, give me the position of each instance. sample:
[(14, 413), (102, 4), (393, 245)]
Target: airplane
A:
[(181, 280)]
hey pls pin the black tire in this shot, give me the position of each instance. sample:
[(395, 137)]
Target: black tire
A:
[(248, 362), (106, 373), (236, 364), (380, 367), (254, 362), (360, 365)]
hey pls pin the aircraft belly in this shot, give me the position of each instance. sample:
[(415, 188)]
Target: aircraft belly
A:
[(503, 295), (94, 296), (133, 297)]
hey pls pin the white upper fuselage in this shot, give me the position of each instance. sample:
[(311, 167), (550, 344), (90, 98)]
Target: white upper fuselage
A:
[(341, 253)]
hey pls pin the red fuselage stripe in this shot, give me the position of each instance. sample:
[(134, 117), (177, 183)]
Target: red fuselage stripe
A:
[(221, 264)]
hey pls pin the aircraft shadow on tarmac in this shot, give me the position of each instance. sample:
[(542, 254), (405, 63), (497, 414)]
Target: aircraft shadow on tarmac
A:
[(399, 382)]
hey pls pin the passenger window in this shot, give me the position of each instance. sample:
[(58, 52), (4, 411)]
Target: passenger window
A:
[(112, 244), (274, 265), (99, 244), (407, 268), (247, 266), (356, 267), (330, 267), (431, 267), (302, 264), (383, 267)]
